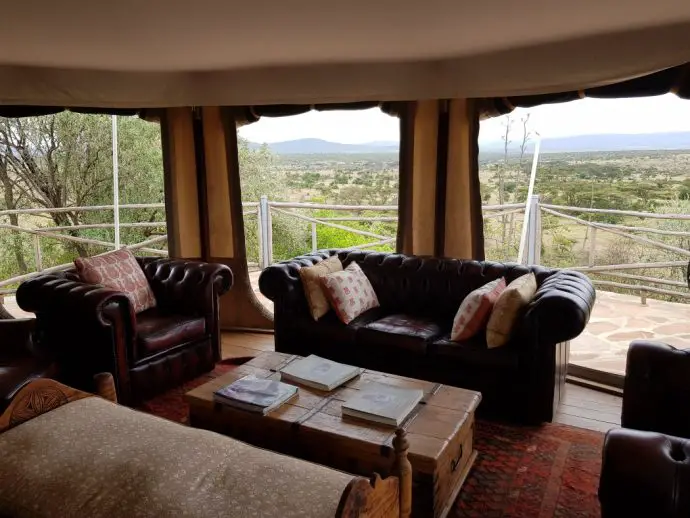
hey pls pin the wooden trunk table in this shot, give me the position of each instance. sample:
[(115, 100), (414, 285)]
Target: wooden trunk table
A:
[(440, 430)]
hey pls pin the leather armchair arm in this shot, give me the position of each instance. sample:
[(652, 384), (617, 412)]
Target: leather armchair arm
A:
[(15, 336), (188, 287), (561, 308), (645, 474), (281, 282), (87, 327), (657, 388), (76, 301)]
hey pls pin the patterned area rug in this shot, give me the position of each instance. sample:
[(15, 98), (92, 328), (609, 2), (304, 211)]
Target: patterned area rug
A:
[(521, 472)]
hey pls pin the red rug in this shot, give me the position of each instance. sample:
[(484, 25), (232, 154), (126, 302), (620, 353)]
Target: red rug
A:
[(521, 472)]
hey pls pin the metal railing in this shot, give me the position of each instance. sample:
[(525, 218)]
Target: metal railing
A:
[(264, 209)]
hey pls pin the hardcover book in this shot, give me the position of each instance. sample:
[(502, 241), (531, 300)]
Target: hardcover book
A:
[(254, 394), (319, 373), (384, 404)]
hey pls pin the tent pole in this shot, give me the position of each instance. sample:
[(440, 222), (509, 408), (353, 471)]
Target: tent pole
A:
[(116, 185), (525, 221)]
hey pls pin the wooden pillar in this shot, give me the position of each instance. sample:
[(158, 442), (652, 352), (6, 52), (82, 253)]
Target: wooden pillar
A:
[(181, 192), (203, 204)]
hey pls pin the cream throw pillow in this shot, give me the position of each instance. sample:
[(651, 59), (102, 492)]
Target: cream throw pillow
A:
[(313, 289), (510, 303)]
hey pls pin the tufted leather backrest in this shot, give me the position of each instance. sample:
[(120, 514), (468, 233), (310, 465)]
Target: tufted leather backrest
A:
[(430, 285)]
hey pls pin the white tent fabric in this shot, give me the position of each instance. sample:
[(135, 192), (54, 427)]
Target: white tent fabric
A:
[(211, 52)]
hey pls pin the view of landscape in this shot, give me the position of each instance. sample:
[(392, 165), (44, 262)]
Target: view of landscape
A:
[(616, 204)]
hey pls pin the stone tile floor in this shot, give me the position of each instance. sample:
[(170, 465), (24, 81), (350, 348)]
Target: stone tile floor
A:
[(616, 321)]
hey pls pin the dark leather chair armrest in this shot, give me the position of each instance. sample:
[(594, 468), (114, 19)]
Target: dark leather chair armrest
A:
[(281, 282), (657, 389), (73, 305), (15, 337), (645, 474), (187, 287), (560, 309)]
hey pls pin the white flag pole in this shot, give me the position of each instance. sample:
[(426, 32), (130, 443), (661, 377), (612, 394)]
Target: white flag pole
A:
[(116, 185), (530, 189)]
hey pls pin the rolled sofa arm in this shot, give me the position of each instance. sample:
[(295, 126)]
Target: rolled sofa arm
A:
[(187, 286), (657, 389), (76, 301), (644, 474), (561, 308), (281, 282)]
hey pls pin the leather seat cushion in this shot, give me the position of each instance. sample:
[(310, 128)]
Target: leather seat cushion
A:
[(402, 331), (157, 331), (474, 352)]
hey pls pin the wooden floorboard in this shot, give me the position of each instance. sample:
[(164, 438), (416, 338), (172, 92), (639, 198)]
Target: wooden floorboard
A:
[(581, 407)]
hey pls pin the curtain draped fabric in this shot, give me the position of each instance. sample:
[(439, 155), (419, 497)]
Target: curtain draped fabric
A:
[(440, 201), (674, 80)]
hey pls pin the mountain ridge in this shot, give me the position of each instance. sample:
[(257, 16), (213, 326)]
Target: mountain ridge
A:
[(573, 144)]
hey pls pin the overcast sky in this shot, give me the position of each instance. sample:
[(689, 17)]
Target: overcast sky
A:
[(582, 117)]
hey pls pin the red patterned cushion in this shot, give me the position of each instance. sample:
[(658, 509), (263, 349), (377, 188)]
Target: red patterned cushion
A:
[(120, 271), (475, 310), (349, 292)]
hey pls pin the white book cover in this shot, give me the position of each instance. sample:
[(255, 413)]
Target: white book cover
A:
[(383, 403), (318, 372)]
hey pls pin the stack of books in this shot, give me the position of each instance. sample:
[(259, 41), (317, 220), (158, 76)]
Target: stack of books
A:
[(319, 373), (383, 404), (254, 394)]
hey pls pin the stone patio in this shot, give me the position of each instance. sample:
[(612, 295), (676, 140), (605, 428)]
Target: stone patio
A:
[(616, 321)]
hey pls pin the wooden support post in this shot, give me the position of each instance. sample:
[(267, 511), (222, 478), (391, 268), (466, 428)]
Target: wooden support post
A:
[(534, 232), (403, 470), (265, 234), (592, 246), (37, 253), (313, 237), (105, 386)]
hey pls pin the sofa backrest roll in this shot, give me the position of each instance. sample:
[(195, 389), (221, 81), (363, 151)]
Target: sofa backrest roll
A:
[(430, 286)]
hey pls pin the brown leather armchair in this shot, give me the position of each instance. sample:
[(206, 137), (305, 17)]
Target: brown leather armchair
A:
[(20, 360), (646, 464), (93, 329)]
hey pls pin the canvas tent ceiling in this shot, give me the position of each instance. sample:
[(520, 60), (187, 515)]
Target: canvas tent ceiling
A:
[(175, 52)]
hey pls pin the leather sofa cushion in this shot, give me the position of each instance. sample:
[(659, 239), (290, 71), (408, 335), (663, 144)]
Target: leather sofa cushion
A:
[(157, 332), (474, 352), (403, 331)]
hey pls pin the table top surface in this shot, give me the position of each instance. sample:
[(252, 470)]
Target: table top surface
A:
[(433, 424)]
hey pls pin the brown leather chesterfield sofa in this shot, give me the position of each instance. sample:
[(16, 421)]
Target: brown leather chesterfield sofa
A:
[(646, 464), (20, 359), (93, 329), (409, 334)]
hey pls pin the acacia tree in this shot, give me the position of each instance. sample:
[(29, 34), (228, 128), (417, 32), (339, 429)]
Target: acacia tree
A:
[(57, 161)]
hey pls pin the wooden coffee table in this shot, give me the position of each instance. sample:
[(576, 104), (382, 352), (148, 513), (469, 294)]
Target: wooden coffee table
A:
[(440, 430)]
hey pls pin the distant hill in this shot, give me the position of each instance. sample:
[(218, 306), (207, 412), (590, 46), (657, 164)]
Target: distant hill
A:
[(606, 142), (312, 146), (574, 144)]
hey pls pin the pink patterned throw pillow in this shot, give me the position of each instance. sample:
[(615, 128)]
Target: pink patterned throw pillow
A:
[(349, 292), (120, 271), (475, 310)]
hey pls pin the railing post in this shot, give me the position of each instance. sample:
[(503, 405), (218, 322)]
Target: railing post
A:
[(37, 253), (592, 245), (260, 235), (265, 234), (314, 246), (534, 231)]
